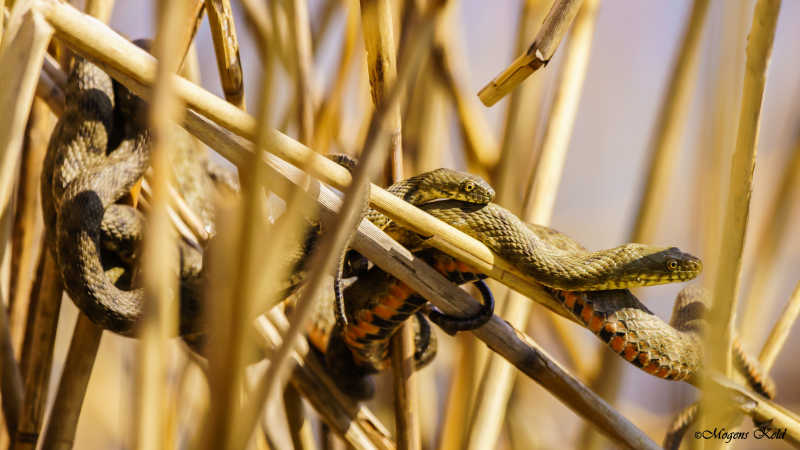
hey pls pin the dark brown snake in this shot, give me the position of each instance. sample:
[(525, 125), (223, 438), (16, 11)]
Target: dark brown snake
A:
[(99, 149)]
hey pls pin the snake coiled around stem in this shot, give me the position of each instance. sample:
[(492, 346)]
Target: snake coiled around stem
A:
[(99, 149)]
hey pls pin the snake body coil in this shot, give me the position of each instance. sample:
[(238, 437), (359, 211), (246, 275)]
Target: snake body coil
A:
[(99, 149)]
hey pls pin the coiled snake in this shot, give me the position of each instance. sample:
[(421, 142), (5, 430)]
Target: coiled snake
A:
[(98, 151)]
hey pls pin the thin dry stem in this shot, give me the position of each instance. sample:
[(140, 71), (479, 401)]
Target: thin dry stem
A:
[(327, 251), (299, 425), (554, 28), (28, 229), (101, 9), (303, 68), (352, 422), (159, 251), (669, 128), (226, 48), (378, 29), (21, 59), (664, 154), (37, 351), (482, 149), (780, 332), (63, 421), (327, 121), (737, 209), (761, 290), (497, 381)]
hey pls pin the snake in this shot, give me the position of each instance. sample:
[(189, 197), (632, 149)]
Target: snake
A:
[(99, 149), (671, 351)]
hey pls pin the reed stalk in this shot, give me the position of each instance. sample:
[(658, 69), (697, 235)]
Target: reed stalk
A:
[(498, 377), (737, 209), (664, 154), (554, 28), (159, 252), (226, 48)]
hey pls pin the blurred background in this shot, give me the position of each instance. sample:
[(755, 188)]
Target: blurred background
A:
[(632, 55)]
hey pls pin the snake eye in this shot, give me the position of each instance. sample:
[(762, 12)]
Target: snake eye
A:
[(469, 186), (672, 265)]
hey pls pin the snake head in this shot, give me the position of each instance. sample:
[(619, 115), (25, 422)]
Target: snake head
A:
[(659, 265), (451, 184)]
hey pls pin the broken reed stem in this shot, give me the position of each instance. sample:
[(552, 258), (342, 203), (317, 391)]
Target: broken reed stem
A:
[(195, 12), (378, 30), (63, 419), (226, 49), (37, 351), (761, 292), (20, 64), (300, 29), (780, 331), (159, 249), (554, 28), (737, 209), (522, 115), (543, 184), (664, 154)]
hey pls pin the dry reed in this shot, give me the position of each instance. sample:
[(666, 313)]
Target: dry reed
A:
[(411, 97)]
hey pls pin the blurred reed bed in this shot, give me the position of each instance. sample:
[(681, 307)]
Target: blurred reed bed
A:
[(400, 84)]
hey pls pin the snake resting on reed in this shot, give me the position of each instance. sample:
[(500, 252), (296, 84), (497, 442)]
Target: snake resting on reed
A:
[(100, 149)]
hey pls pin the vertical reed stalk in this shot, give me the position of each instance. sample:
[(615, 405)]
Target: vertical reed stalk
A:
[(226, 48), (37, 351), (28, 230), (498, 378), (159, 253), (21, 57), (737, 209), (759, 47), (63, 421), (663, 156), (303, 73)]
